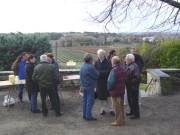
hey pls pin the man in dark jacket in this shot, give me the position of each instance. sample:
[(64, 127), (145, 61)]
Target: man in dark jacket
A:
[(103, 67), (112, 53), (31, 86), (132, 86), (138, 59), (45, 76), (57, 73), (116, 87)]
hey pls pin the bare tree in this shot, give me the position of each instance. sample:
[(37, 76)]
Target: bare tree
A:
[(165, 13)]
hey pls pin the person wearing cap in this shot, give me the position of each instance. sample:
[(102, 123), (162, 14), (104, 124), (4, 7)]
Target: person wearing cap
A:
[(88, 78), (45, 76)]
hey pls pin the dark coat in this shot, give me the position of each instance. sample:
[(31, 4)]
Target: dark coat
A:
[(44, 75), (56, 69), (109, 60), (104, 69), (132, 74), (30, 84), (139, 61)]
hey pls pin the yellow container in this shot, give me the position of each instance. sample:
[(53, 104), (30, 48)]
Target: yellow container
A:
[(12, 79)]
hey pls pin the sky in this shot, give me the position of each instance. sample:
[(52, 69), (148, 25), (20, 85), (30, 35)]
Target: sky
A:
[(45, 16), (30, 16)]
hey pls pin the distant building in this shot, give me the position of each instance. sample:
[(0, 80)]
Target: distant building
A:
[(148, 39)]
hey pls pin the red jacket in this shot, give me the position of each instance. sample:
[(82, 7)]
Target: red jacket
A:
[(116, 81)]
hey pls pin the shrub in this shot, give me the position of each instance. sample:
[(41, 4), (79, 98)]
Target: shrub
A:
[(170, 54), (122, 52), (11, 45), (163, 54)]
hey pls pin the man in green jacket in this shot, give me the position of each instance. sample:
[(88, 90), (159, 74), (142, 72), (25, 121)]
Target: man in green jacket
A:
[(45, 76)]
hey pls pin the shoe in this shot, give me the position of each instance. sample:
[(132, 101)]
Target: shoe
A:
[(115, 124), (103, 113), (58, 114), (129, 114), (112, 113), (84, 117), (134, 117), (61, 113), (36, 111), (45, 114), (91, 119), (20, 102)]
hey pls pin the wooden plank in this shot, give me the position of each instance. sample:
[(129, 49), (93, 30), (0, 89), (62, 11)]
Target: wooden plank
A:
[(8, 83)]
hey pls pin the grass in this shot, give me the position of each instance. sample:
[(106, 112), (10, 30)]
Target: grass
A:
[(67, 54), (143, 86)]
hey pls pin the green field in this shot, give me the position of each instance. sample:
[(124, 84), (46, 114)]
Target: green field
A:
[(68, 54)]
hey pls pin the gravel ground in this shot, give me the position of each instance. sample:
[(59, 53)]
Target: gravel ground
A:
[(159, 116)]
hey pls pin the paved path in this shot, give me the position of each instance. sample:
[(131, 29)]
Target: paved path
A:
[(160, 116)]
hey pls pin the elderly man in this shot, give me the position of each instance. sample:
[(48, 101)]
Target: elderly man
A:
[(88, 78), (104, 67), (116, 87), (45, 76), (132, 86)]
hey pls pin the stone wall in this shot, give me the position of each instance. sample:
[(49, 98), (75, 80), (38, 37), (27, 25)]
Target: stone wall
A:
[(175, 77), (161, 82)]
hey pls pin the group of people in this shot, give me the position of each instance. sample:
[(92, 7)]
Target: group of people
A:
[(104, 78), (109, 77), (43, 78)]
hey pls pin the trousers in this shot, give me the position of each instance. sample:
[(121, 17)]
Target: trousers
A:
[(44, 92), (118, 106), (88, 102), (133, 99), (33, 101), (20, 89), (56, 95)]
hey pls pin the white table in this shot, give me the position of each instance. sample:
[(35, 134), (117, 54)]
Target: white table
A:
[(12, 87)]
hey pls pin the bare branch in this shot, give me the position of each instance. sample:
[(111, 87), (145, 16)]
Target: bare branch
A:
[(176, 16), (163, 11), (172, 3)]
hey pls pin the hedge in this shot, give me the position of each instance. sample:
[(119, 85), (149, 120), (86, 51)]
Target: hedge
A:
[(162, 54), (12, 45)]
